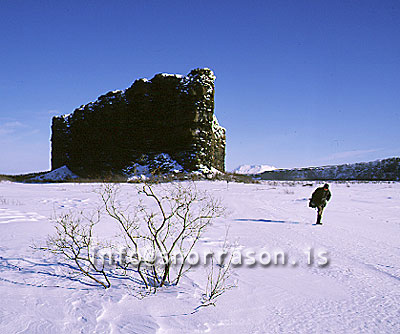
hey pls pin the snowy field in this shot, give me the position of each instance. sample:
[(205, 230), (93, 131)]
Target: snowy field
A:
[(358, 292)]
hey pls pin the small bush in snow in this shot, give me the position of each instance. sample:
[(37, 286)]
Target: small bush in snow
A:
[(181, 215), (167, 220)]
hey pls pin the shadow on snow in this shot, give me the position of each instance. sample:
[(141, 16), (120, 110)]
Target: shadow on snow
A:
[(267, 221), (23, 270)]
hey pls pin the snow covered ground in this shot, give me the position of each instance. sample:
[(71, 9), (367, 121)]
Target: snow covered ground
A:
[(358, 292)]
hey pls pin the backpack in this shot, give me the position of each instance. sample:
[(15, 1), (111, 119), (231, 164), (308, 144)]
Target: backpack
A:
[(313, 198)]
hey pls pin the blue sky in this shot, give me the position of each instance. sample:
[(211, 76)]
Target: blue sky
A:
[(299, 83)]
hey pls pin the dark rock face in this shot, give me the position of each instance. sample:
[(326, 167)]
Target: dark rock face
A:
[(379, 170), (168, 114)]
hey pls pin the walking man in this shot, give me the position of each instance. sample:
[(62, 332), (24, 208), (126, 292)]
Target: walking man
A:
[(318, 200)]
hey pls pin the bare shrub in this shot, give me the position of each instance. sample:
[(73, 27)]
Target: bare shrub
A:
[(217, 282), (181, 215), (166, 221), (6, 201), (74, 240), (218, 279), (287, 191)]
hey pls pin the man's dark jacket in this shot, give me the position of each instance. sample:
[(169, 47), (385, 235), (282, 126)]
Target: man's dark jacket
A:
[(319, 197)]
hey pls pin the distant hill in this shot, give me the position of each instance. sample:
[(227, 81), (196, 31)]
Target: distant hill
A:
[(379, 170), (252, 169)]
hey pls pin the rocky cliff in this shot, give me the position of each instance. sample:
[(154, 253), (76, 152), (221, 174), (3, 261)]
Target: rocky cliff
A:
[(169, 114), (379, 170)]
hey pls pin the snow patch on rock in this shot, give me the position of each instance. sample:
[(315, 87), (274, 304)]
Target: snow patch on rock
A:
[(149, 166), (60, 174)]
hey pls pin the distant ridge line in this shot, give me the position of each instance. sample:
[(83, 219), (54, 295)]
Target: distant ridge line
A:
[(378, 170)]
